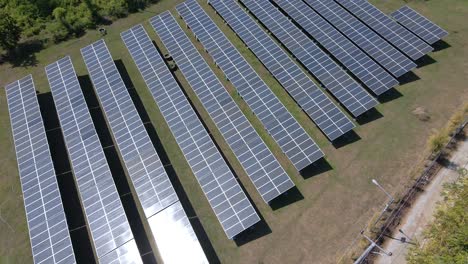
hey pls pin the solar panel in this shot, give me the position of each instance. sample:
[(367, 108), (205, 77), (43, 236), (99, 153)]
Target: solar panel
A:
[(362, 66), (285, 130), (171, 229), (104, 212), (229, 202), (350, 93), (419, 25), (328, 117), (48, 228), (369, 41), (400, 37), (261, 166), (124, 254)]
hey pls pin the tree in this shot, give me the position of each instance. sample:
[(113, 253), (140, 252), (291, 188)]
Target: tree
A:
[(10, 32), (446, 239)]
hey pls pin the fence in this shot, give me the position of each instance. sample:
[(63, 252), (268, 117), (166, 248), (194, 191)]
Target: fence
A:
[(394, 219)]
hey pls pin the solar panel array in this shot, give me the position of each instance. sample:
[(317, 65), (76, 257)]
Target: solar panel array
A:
[(261, 166), (328, 117), (291, 137), (400, 37), (48, 228), (419, 25), (103, 209), (362, 66), (229, 202), (369, 41), (150, 181), (350, 93)]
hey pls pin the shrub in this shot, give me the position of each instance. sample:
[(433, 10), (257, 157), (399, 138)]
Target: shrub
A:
[(446, 239)]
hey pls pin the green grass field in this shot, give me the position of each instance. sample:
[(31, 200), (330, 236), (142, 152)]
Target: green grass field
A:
[(336, 203)]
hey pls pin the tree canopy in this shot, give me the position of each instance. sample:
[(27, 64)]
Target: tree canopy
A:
[(62, 19), (10, 32), (446, 239)]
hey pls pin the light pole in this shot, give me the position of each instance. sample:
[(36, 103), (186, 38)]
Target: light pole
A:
[(377, 246), (374, 181)]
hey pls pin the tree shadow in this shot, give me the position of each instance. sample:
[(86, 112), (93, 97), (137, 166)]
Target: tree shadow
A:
[(440, 45), (369, 116), (79, 235), (205, 242), (289, 197), (316, 168), (408, 78), (349, 138), (24, 55), (389, 95), (117, 170), (424, 61), (448, 164)]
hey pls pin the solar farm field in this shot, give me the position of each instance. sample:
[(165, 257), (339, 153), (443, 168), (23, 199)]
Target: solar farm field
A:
[(318, 220)]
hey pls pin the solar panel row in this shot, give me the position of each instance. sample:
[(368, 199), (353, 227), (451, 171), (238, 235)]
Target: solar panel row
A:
[(226, 197), (365, 38), (291, 137), (149, 178), (48, 228), (103, 209), (147, 59), (350, 93), (328, 117), (400, 37), (362, 66), (419, 25), (261, 166)]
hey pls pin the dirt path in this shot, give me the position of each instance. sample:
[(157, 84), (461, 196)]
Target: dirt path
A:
[(422, 211)]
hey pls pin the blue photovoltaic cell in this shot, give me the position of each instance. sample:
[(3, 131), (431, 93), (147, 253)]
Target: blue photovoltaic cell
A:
[(328, 117), (229, 202), (369, 41), (104, 212), (48, 228), (362, 66), (400, 37), (287, 132), (350, 93), (261, 166), (419, 25)]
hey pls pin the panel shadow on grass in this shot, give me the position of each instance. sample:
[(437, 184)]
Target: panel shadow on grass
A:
[(347, 139), (369, 116), (117, 171), (408, 77), (425, 61), (390, 95), (68, 190), (289, 197), (258, 230), (440, 45), (316, 168)]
